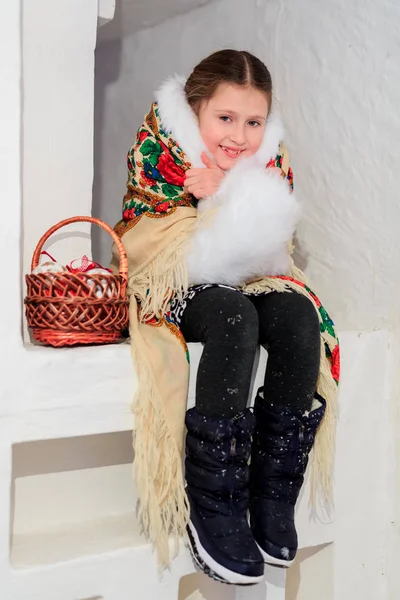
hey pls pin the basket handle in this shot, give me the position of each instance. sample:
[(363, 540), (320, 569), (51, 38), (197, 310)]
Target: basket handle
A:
[(123, 260)]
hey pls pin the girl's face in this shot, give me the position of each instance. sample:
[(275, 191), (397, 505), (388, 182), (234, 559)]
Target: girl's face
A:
[(232, 123)]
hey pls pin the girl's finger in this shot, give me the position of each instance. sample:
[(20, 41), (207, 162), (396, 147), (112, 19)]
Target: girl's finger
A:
[(209, 163), (194, 172), (191, 180), (195, 190)]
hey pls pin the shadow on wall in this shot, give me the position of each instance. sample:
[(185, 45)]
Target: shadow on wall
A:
[(310, 570), (198, 586), (108, 60), (299, 255), (71, 454), (313, 571)]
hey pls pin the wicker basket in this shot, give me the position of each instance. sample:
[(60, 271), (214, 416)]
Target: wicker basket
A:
[(66, 309)]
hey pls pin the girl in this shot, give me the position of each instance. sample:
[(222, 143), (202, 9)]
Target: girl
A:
[(207, 223)]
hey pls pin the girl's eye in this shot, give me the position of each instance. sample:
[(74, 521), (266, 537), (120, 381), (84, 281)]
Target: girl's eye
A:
[(225, 118), (254, 123)]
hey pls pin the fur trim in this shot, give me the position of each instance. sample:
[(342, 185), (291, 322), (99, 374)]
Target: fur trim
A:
[(273, 137), (179, 119), (249, 237)]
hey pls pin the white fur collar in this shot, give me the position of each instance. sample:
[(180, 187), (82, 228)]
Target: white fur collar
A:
[(179, 119)]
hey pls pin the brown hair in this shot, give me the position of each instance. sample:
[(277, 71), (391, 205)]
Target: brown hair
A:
[(226, 66)]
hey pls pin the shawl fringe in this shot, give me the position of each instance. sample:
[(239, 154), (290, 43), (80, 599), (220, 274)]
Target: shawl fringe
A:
[(165, 275), (163, 509)]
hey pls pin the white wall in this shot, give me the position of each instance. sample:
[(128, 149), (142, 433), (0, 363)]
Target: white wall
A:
[(391, 569), (336, 69), (10, 194), (10, 181), (58, 67)]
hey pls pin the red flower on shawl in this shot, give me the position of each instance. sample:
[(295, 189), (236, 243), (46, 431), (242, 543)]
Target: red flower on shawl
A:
[(128, 214), (163, 146), (335, 369), (171, 172), (143, 135), (315, 298), (146, 180), (271, 163), (163, 207), (290, 177)]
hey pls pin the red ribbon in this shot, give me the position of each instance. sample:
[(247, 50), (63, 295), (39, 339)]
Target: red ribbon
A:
[(47, 254), (86, 265)]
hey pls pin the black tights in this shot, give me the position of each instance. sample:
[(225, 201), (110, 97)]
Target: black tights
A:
[(231, 325)]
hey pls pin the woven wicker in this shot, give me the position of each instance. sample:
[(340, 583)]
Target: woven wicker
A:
[(66, 309)]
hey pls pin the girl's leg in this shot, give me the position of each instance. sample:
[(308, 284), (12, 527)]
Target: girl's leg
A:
[(218, 441), (226, 323), (288, 413), (289, 327)]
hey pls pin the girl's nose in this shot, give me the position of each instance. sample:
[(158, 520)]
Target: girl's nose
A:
[(238, 135)]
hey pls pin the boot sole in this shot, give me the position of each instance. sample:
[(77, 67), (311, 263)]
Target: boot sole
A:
[(199, 564), (275, 562), (214, 569)]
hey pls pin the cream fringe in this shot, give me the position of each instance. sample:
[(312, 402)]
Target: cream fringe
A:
[(322, 464), (163, 510), (166, 276)]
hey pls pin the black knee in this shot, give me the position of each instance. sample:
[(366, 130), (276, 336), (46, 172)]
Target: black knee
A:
[(235, 315), (290, 315), (302, 321), (222, 314), (301, 308)]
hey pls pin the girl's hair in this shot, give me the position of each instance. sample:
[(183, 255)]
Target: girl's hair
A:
[(226, 66)]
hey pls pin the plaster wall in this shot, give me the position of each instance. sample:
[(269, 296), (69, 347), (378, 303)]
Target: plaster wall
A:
[(58, 43)]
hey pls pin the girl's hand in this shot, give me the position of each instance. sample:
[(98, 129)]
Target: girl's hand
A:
[(204, 182)]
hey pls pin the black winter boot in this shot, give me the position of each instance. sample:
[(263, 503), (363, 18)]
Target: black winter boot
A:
[(217, 476), (282, 442)]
